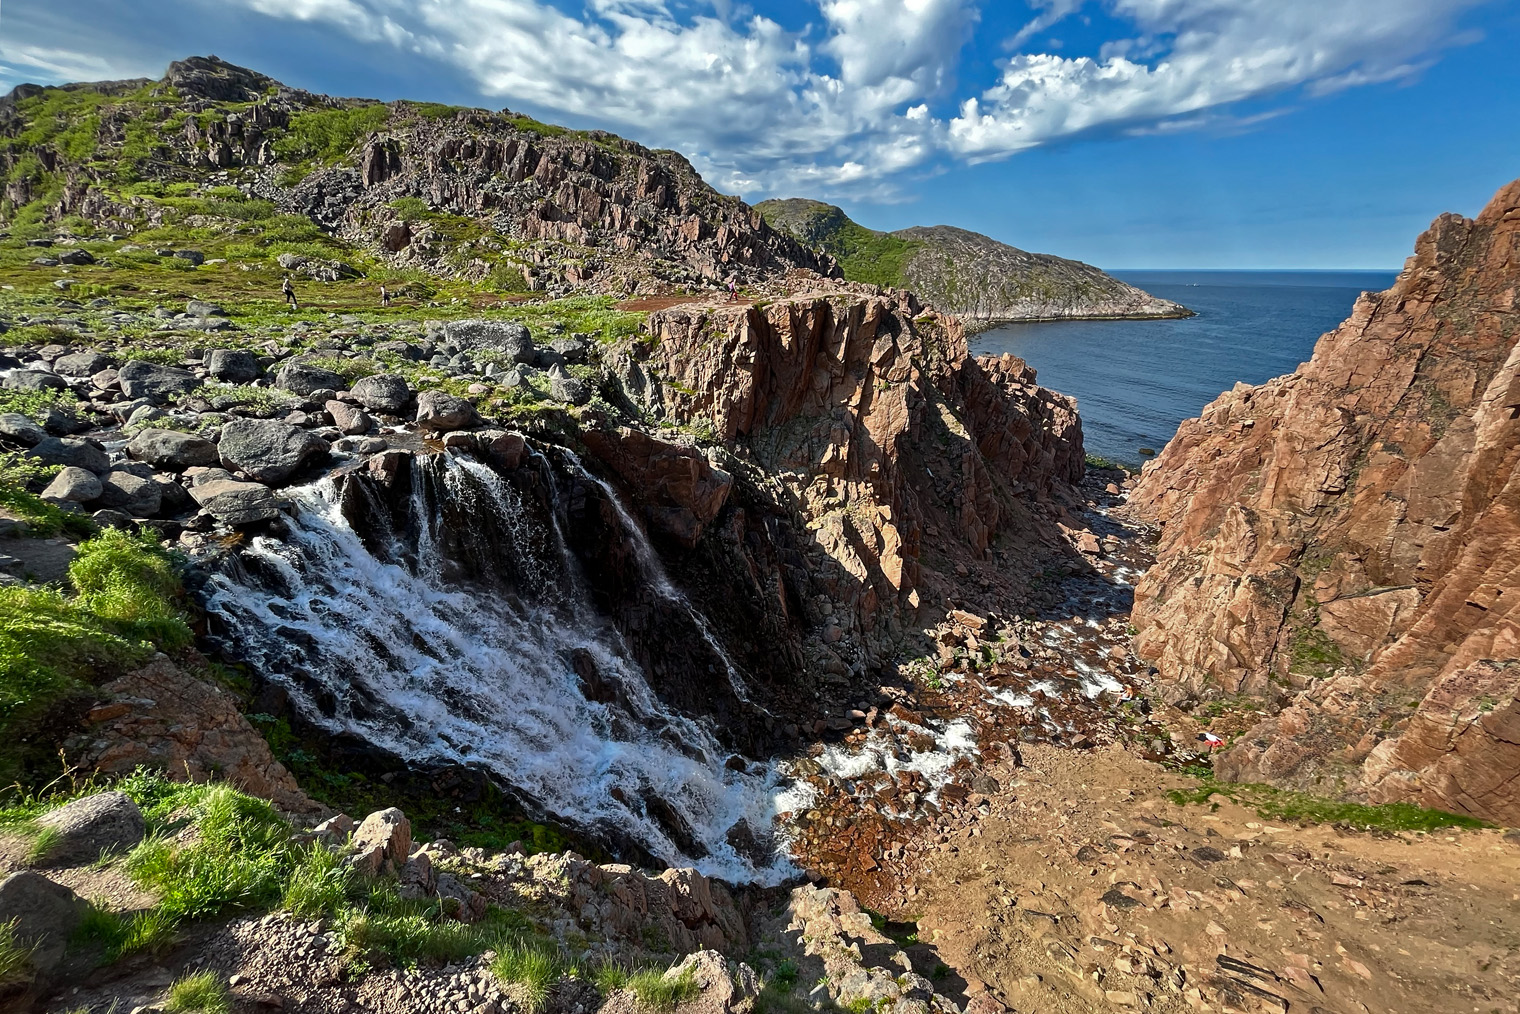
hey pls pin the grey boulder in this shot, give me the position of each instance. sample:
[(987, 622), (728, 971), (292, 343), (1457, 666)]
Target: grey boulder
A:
[(237, 503), (267, 450), (383, 392), (43, 915), (172, 450), (74, 484), (33, 380), (234, 366), (563, 387), (82, 364), (350, 419), (439, 411), (511, 338), (106, 822), (130, 494), (78, 451), (303, 379), (153, 382), (17, 428)]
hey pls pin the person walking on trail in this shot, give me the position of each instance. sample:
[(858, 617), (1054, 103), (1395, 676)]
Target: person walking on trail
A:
[(385, 296), (733, 288), (289, 291)]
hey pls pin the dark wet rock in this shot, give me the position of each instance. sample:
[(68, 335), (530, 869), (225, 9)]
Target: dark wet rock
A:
[(155, 383), (76, 257), (172, 450), (267, 450)]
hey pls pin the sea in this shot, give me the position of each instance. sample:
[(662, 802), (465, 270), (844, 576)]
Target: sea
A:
[(1135, 380)]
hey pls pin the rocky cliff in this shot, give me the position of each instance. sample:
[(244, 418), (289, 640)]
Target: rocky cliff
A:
[(453, 192), (965, 273), (1340, 542)]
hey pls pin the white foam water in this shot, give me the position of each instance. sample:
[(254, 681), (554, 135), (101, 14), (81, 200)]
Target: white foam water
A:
[(389, 647)]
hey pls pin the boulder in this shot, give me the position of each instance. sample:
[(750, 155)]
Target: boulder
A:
[(237, 503), (563, 387), (18, 429), (440, 412), (571, 350), (351, 419), (726, 987), (77, 451), (267, 450), (383, 392), (233, 366), (131, 494), (33, 380), (153, 382), (303, 378), (44, 914), (201, 308), (82, 364), (78, 485), (172, 450), (76, 257), (382, 842), (509, 337), (107, 822)]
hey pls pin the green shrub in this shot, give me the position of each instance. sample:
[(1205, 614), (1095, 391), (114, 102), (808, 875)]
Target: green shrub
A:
[(130, 581), (149, 932), (327, 135), (657, 991), (410, 209), (203, 992)]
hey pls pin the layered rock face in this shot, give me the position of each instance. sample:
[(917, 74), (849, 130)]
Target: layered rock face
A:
[(870, 420), (1344, 541)]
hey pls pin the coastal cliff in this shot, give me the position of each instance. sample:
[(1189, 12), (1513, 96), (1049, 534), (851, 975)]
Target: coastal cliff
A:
[(1341, 543), (965, 273)]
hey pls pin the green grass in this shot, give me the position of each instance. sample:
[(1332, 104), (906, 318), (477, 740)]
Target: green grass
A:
[(533, 966), (1281, 804), (404, 932), (204, 992), (319, 884), (650, 986), (17, 474), (116, 936), (15, 957)]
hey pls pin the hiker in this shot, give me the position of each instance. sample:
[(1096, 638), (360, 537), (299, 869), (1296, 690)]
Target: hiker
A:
[(733, 288), (289, 291), (385, 296)]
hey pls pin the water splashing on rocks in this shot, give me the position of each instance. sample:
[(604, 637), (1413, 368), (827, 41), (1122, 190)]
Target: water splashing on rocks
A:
[(458, 628)]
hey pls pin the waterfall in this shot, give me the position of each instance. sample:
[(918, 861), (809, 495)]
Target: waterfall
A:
[(464, 633), (654, 575)]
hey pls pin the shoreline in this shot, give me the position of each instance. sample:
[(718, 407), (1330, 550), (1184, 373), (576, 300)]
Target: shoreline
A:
[(979, 325)]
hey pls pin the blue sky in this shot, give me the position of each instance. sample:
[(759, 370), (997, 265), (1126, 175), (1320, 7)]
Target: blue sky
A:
[(1129, 133)]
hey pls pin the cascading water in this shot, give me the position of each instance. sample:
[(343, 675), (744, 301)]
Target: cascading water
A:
[(395, 633), (654, 573)]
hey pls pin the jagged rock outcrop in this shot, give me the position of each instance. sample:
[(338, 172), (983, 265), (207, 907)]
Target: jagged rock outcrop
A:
[(876, 422), (965, 273), (1344, 542)]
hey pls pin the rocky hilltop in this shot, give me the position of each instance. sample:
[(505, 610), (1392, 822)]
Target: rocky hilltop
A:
[(447, 191), (1338, 543), (965, 273)]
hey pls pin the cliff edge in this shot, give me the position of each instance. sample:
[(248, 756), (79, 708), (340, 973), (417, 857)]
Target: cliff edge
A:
[(1343, 542)]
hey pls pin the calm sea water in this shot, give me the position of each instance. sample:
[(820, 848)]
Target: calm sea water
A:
[(1135, 380)]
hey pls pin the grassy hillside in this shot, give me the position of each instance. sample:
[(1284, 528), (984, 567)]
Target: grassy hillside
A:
[(864, 255)]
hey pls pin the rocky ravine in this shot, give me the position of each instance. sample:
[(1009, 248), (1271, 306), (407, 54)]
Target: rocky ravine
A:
[(965, 273), (1341, 543)]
